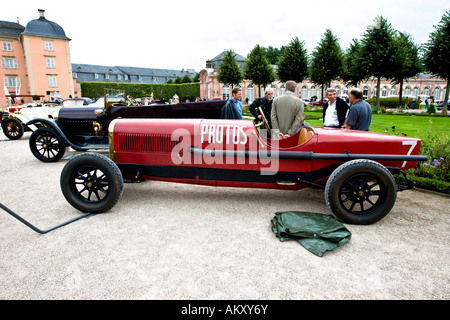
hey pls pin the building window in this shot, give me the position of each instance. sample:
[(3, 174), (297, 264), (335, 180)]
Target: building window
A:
[(226, 92), (7, 46), (282, 90), (75, 75), (274, 89), (407, 91), (11, 82), (426, 91), (9, 63), (313, 91), (384, 92), (250, 93), (338, 90), (125, 77), (95, 75), (393, 91), (140, 78), (345, 93), (50, 62), (365, 92), (119, 77), (106, 76), (416, 92), (437, 92), (48, 45), (304, 92), (52, 81)]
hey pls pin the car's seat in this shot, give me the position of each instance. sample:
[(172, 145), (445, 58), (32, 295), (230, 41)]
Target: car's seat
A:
[(304, 136)]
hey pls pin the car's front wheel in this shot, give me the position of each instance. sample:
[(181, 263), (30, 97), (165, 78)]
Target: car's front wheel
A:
[(47, 145), (91, 182), (360, 192), (12, 128)]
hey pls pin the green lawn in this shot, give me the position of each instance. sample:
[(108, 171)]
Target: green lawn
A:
[(412, 126)]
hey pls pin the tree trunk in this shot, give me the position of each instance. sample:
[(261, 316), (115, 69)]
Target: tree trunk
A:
[(444, 107), (400, 93), (378, 91)]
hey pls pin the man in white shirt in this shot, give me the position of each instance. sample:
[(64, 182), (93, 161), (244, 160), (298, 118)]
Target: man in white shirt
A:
[(334, 111)]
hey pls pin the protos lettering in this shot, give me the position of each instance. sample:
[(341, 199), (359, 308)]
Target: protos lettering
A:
[(215, 134)]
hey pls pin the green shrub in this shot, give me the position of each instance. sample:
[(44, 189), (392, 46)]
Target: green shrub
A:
[(389, 102), (137, 90)]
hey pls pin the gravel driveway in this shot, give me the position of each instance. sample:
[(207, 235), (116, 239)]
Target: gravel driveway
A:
[(173, 241)]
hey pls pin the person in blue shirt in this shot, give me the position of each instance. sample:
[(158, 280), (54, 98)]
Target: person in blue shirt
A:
[(233, 108), (360, 113)]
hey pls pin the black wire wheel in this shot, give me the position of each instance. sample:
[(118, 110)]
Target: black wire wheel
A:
[(91, 182), (47, 145), (360, 192), (12, 129)]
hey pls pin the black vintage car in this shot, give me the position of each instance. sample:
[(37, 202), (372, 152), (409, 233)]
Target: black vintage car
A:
[(86, 128)]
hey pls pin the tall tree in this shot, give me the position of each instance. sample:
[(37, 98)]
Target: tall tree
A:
[(352, 73), (293, 63), (326, 61), (436, 52), (272, 54), (257, 68), (229, 71), (407, 60), (377, 50)]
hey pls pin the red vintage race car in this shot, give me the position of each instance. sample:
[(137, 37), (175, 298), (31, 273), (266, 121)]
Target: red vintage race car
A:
[(354, 167)]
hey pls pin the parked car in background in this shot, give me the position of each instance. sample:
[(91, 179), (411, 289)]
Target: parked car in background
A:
[(15, 119), (440, 105), (307, 101), (319, 102)]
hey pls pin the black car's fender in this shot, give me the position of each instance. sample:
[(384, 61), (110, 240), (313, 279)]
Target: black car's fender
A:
[(52, 124)]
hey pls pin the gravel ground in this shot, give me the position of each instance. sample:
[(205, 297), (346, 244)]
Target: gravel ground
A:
[(173, 241)]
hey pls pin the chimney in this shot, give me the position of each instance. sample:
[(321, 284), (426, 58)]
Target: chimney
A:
[(41, 13)]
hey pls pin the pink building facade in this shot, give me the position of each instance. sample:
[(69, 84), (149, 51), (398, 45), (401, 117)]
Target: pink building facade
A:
[(35, 61)]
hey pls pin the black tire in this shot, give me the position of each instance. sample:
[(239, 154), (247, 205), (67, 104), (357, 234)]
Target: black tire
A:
[(47, 145), (360, 192), (91, 182), (12, 129)]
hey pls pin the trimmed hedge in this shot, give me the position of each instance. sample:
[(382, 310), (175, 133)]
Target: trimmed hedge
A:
[(138, 90), (390, 102), (425, 183)]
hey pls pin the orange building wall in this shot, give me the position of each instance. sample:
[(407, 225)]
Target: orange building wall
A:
[(35, 56), (21, 72)]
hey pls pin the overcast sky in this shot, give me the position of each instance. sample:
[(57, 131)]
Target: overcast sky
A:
[(170, 34)]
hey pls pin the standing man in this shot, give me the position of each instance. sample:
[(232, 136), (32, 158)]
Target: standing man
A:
[(266, 105), (360, 114), (287, 112), (233, 108), (334, 111)]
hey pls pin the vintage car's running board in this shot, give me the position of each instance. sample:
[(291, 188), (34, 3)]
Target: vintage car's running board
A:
[(301, 155)]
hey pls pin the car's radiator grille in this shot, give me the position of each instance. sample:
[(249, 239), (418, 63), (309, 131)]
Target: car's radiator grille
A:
[(146, 142)]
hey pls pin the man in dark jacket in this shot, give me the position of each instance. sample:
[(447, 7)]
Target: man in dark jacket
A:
[(233, 108), (334, 111), (266, 105)]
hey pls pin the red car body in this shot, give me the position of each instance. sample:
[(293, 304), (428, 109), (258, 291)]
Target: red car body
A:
[(233, 153)]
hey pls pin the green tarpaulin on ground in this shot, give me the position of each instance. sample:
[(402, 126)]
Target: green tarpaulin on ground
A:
[(316, 232)]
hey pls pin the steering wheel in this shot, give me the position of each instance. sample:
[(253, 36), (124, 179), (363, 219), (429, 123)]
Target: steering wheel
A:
[(132, 100)]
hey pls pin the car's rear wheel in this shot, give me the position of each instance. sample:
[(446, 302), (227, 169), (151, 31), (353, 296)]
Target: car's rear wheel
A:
[(47, 145), (360, 192), (12, 128), (91, 182)]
